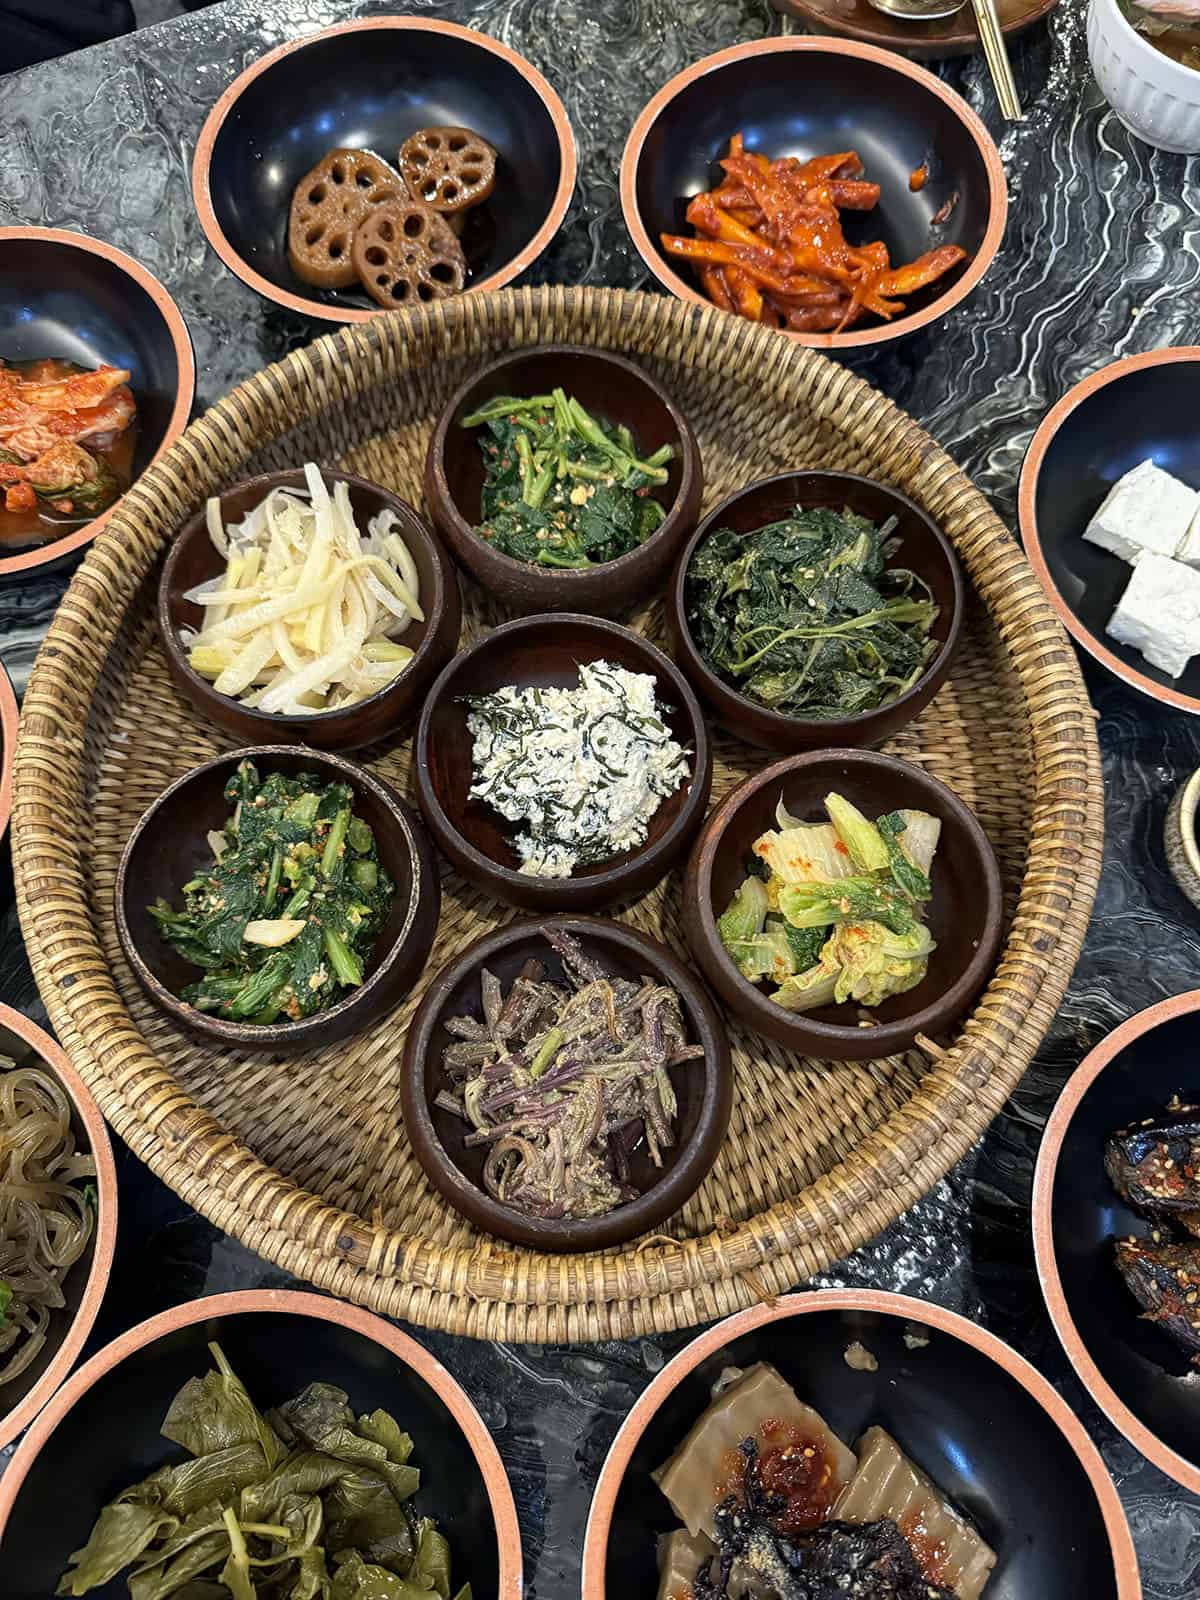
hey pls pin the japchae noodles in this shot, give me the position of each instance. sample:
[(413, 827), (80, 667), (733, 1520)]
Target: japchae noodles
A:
[(47, 1210)]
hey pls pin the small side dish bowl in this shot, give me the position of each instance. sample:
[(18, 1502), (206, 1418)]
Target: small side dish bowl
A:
[(988, 1429), (541, 652), (1136, 1374), (67, 296), (83, 1286), (965, 915), (371, 84), (924, 549), (169, 846), (608, 386), (1179, 838), (192, 558), (1157, 98), (1141, 407), (703, 1088), (9, 718), (808, 97), (102, 1430)]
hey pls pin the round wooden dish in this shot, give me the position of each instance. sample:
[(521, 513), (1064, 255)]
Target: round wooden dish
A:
[(965, 915), (924, 549), (102, 1430), (540, 652), (608, 386), (83, 1286), (319, 1174), (704, 1088), (9, 716), (169, 846), (956, 35), (193, 558)]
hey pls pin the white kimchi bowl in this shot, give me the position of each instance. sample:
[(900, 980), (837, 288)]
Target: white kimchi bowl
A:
[(1157, 99)]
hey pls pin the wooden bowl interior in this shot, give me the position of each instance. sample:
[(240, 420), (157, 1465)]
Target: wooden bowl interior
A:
[(979, 1434), (109, 1439), (606, 388), (549, 657), (76, 1280), (1145, 1368), (957, 913), (620, 959), (173, 848)]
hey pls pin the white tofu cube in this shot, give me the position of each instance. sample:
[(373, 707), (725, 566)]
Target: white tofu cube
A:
[(1147, 509), (1159, 613), (1189, 545)]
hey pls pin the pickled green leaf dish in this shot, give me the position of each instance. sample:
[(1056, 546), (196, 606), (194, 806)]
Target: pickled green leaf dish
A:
[(306, 1502), (805, 616), (285, 916), (835, 915)]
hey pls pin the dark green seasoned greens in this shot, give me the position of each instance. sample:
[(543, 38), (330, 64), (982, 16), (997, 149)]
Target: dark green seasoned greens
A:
[(805, 617), (286, 915), (563, 488), (307, 1502)]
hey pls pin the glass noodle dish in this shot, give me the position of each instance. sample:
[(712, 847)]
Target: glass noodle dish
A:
[(307, 615), (832, 912), (304, 1502), (775, 1506), (47, 1209)]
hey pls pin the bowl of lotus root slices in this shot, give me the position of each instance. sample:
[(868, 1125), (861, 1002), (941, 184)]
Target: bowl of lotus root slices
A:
[(383, 164)]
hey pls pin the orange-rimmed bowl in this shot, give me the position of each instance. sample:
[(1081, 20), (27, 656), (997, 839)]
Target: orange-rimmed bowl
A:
[(101, 1431), (9, 717), (371, 84), (809, 97), (85, 1283), (1142, 406), (68, 296), (990, 1431), (1140, 1379)]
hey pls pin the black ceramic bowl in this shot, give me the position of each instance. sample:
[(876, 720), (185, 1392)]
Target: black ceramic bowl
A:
[(987, 1428), (808, 97), (74, 298), (370, 84), (1133, 1371), (100, 1433), (1144, 406)]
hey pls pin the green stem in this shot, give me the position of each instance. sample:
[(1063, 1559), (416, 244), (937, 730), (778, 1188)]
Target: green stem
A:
[(549, 1048), (333, 844), (342, 959), (273, 877)]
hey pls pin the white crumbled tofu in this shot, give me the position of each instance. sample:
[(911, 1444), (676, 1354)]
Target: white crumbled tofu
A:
[(1159, 613), (1147, 509)]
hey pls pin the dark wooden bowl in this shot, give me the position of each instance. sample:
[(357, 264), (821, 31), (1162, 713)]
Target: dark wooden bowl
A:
[(809, 97), (547, 652), (965, 915), (101, 1431), (923, 547), (990, 1431), (169, 846), (1143, 406), (704, 1088), (65, 295), (610, 387), (372, 83), (1134, 1372), (192, 558)]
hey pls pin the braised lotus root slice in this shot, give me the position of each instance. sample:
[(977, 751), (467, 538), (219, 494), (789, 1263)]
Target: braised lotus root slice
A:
[(328, 204), (450, 169), (405, 254)]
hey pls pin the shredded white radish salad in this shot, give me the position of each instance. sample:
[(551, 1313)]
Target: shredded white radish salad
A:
[(307, 614)]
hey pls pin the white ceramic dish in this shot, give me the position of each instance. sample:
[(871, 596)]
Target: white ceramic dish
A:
[(1157, 99), (1179, 838)]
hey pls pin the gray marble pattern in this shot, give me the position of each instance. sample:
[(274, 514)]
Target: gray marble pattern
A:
[(1101, 258)]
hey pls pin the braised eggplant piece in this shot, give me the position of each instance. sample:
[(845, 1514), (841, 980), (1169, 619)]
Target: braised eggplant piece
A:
[(1154, 1165), (1164, 1278), (888, 1486)]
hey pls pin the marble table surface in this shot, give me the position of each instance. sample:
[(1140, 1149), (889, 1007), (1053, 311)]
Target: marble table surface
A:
[(1101, 259)]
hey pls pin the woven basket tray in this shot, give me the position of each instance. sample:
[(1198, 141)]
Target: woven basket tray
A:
[(306, 1160)]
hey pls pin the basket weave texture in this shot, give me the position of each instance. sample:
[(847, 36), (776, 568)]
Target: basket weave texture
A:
[(306, 1160)]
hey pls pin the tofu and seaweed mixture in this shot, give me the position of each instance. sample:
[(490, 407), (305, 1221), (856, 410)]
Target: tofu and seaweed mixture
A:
[(285, 916), (773, 1504)]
